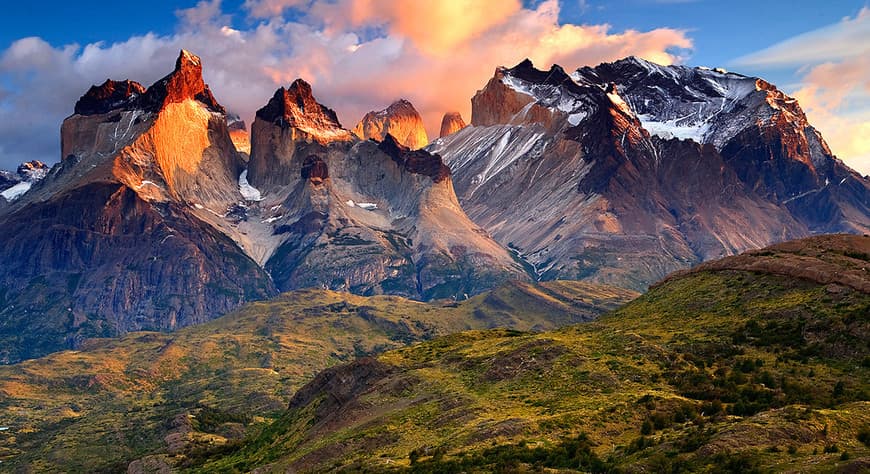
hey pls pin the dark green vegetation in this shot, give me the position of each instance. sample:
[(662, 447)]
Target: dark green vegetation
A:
[(724, 369), (167, 397)]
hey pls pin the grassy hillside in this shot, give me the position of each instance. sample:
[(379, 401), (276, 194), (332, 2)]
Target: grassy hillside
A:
[(172, 394), (735, 367)]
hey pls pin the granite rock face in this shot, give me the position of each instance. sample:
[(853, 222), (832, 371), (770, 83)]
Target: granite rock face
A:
[(451, 123), (400, 119), (289, 124), (363, 216)]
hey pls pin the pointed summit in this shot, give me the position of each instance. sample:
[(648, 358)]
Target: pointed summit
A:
[(292, 123), (451, 123), (400, 120), (176, 143), (185, 82), (187, 59), (296, 107)]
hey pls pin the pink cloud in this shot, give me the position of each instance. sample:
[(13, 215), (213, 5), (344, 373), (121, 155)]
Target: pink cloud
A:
[(835, 96)]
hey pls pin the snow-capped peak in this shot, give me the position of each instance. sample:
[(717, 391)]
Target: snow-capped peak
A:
[(27, 175), (553, 89)]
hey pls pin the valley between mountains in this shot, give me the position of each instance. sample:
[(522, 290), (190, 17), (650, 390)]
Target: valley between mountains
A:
[(622, 268)]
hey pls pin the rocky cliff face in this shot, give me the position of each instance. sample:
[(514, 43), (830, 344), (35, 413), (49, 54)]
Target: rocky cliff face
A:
[(363, 216), (239, 135), (117, 236), (289, 124), (451, 123), (598, 175), (400, 120)]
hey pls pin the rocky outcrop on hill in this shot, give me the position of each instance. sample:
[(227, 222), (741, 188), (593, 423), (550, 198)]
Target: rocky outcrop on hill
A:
[(828, 260)]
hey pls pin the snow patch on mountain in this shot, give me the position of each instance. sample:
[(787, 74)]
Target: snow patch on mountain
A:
[(554, 97), (16, 191), (489, 150), (27, 174), (517, 84), (248, 192), (619, 103), (674, 129), (369, 206)]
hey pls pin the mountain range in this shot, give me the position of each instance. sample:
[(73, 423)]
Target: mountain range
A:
[(159, 216), (625, 172)]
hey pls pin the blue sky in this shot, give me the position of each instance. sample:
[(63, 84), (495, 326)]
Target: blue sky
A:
[(722, 31), (251, 47)]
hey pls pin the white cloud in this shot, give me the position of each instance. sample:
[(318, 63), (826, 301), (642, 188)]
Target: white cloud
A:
[(846, 39), (331, 45)]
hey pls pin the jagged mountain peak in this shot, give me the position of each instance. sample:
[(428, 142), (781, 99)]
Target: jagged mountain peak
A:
[(525, 95), (14, 185), (527, 71), (234, 122), (452, 122), (184, 83), (186, 59), (108, 96), (400, 119), (401, 104), (32, 170), (296, 107), (602, 149), (291, 126), (239, 133), (169, 142)]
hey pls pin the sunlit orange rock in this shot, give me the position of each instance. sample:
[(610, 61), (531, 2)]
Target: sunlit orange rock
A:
[(185, 82), (451, 123), (400, 120), (288, 129)]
